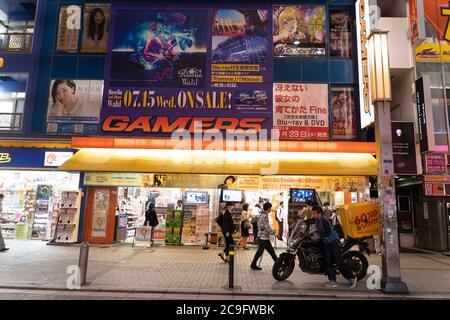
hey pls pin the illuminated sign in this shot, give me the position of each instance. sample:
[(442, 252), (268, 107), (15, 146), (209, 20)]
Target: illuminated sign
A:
[(2, 62), (5, 158), (363, 31)]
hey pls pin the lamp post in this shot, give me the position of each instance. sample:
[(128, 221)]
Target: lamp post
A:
[(380, 83)]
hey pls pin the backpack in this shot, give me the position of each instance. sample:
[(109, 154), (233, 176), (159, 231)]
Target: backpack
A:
[(219, 219)]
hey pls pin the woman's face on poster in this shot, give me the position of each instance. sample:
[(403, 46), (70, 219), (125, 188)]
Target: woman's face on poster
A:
[(289, 25), (64, 93), (99, 17)]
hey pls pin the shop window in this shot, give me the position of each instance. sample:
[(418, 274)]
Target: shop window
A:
[(434, 70)]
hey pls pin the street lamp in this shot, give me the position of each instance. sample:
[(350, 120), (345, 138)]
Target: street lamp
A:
[(380, 84)]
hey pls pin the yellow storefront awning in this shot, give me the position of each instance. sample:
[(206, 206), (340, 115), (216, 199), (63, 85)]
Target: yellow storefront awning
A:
[(221, 162)]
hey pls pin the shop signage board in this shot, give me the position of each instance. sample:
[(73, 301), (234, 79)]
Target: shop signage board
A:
[(55, 159), (438, 13), (118, 179), (30, 158), (416, 20), (218, 73), (300, 111), (433, 52), (437, 185), (424, 114), (435, 163), (404, 148), (363, 26)]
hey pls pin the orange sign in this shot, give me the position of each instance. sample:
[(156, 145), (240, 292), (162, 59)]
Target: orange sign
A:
[(438, 14), (2, 62)]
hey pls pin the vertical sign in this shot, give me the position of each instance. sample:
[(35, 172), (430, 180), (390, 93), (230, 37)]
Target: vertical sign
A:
[(363, 31), (69, 28), (416, 20), (424, 106), (404, 148)]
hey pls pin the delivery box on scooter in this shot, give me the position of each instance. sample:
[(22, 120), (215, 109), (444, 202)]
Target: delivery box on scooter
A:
[(359, 220)]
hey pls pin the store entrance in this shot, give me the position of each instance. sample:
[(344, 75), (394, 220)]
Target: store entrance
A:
[(101, 211)]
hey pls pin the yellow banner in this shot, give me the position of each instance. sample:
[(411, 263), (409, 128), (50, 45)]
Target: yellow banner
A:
[(240, 79), (118, 179), (433, 52)]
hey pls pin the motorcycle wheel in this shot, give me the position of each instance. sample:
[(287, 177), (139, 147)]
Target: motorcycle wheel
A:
[(357, 262), (283, 267)]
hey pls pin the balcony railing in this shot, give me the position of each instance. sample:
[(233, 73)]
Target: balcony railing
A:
[(16, 42), (11, 122)]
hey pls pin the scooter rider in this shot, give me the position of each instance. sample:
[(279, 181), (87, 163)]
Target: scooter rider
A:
[(332, 253)]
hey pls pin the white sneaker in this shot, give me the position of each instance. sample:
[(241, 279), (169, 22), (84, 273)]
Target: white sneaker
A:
[(331, 284), (352, 282)]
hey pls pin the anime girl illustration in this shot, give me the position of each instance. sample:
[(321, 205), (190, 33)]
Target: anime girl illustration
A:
[(165, 41)]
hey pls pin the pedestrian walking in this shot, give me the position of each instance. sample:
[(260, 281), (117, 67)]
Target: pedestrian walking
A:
[(3, 247), (245, 226), (264, 232), (225, 221)]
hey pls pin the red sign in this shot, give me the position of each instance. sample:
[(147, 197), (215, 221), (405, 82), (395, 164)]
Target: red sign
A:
[(438, 13), (434, 189), (435, 163), (413, 20)]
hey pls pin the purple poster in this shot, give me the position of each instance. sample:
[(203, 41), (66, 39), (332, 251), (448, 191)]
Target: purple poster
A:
[(170, 67)]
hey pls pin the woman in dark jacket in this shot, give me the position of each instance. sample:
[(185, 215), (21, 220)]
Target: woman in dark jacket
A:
[(227, 227), (150, 216)]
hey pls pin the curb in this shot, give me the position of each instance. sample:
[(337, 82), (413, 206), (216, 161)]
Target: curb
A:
[(335, 295)]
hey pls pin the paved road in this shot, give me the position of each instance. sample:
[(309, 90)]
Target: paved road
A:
[(170, 271)]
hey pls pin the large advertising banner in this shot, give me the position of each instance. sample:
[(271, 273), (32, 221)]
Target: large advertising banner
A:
[(167, 69), (300, 111), (74, 106), (69, 28), (343, 113), (299, 30), (96, 28)]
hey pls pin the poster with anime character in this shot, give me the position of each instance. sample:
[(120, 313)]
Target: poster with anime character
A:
[(343, 113), (164, 46), (340, 34), (299, 30), (170, 67)]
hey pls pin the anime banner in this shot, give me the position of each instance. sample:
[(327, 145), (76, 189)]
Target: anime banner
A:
[(299, 30), (300, 111), (343, 113), (169, 67)]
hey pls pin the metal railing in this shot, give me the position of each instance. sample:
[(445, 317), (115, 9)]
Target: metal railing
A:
[(17, 42), (11, 122)]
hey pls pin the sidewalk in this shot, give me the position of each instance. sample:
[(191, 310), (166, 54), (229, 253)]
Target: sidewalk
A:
[(121, 270)]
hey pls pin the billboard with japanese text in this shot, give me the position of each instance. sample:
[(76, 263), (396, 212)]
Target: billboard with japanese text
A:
[(167, 69)]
